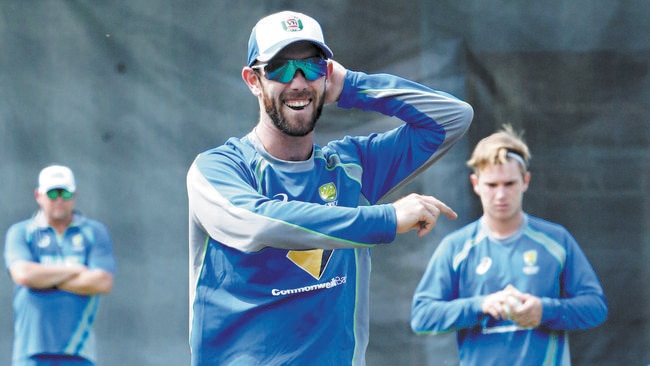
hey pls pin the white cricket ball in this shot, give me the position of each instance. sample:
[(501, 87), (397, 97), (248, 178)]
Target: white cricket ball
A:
[(511, 304)]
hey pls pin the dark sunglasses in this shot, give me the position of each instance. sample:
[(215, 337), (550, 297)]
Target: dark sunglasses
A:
[(284, 70), (63, 193)]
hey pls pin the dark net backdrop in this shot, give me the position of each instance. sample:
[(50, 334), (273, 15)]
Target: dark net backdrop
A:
[(126, 93)]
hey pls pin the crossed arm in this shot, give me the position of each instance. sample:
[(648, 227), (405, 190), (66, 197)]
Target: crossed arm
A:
[(75, 278)]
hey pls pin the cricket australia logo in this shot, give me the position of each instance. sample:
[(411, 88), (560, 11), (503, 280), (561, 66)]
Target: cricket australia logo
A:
[(530, 261), (328, 193), (78, 243), (292, 24)]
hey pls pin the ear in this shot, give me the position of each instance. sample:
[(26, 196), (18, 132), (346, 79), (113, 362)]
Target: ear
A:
[(38, 196), (473, 178), (252, 80), (526, 181)]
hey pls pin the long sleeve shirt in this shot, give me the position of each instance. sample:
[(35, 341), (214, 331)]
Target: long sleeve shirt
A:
[(279, 250), (542, 259)]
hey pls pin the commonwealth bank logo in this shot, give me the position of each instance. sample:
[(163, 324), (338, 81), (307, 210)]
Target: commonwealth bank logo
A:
[(312, 261)]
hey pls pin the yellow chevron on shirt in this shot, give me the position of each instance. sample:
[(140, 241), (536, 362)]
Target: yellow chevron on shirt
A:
[(311, 261)]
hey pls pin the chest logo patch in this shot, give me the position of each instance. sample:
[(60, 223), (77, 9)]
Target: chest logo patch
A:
[(282, 196), (530, 261), (78, 242), (44, 242), (313, 261), (484, 265), (328, 192)]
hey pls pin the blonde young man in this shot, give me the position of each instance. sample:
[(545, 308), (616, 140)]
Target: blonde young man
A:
[(511, 285)]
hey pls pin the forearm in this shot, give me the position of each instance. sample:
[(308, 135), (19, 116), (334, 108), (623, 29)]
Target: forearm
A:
[(434, 316), (245, 220), (583, 304), (580, 312), (38, 276), (88, 282), (296, 226), (433, 122), (414, 103)]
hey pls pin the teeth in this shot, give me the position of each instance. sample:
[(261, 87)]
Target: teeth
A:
[(297, 103)]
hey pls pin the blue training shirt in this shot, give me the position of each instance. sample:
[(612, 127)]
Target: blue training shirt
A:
[(53, 321), (279, 250), (542, 259)]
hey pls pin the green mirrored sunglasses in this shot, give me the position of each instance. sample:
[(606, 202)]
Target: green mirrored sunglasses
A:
[(59, 192), (284, 70)]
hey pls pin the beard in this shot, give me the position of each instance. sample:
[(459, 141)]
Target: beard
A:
[(58, 214), (298, 128)]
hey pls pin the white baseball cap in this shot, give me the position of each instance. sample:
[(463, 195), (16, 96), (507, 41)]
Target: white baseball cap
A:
[(276, 31), (56, 176)]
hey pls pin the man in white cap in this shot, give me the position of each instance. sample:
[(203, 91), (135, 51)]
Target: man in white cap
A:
[(60, 262), (280, 228)]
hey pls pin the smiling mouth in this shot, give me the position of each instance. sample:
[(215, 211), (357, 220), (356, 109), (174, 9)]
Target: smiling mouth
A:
[(297, 104)]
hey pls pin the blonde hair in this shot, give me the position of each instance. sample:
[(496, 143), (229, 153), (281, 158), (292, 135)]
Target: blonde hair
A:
[(498, 148)]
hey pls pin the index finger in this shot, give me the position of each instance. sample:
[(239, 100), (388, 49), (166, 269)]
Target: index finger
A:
[(448, 211), (443, 208)]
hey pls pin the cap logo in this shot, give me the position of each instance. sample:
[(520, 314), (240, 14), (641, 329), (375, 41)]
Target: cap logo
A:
[(293, 24)]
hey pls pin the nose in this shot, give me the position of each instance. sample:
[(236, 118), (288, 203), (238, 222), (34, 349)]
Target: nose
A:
[(298, 78), (500, 192)]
